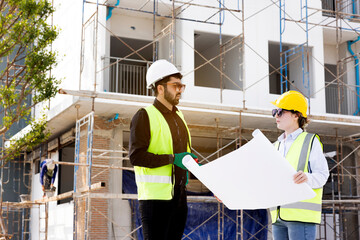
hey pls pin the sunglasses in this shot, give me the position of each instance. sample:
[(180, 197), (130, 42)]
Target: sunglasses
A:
[(278, 111), (178, 86)]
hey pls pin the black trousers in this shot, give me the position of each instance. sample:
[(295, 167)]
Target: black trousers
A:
[(46, 181), (164, 219)]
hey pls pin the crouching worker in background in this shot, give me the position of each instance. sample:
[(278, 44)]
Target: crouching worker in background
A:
[(48, 175), (297, 221)]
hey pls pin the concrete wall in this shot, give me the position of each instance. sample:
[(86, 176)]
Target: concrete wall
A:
[(186, 55), (257, 35), (67, 19), (119, 210), (330, 54), (257, 32), (260, 29)]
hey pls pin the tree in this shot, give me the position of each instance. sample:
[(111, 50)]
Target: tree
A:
[(26, 59)]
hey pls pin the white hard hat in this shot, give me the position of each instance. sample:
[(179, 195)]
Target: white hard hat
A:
[(159, 70), (50, 164)]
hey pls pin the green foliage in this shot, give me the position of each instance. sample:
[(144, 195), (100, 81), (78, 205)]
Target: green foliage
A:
[(26, 59), (35, 136)]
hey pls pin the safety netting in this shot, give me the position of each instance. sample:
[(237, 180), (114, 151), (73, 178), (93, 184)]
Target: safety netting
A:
[(204, 221)]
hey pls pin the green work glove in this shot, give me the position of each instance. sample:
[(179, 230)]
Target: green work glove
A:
[(178, 157)]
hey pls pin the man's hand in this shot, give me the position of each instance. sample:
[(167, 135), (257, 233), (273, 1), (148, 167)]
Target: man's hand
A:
[(43, 188), (300, 177), (178, 157)]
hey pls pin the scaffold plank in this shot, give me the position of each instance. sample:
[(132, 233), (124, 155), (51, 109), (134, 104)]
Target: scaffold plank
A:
[(95, 186)]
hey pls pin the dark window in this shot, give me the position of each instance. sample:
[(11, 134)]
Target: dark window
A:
[(129, 76), (328, 5), (66, 172), (274, 69), (296, 75), (208, 74), (332, 91), (37, 166)]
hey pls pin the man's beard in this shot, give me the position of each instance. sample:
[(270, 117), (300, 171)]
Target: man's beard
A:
[(173, 100)]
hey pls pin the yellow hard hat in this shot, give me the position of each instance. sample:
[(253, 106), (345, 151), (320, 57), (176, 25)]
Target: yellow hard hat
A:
[(292, 100)]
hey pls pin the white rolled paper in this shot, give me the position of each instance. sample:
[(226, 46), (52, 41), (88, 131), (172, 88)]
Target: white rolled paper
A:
[(254, 176)]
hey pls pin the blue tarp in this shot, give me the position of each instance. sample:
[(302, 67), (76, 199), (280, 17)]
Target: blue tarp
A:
[(202, 220)]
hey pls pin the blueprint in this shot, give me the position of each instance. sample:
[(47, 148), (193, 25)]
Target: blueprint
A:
[(255, 176)]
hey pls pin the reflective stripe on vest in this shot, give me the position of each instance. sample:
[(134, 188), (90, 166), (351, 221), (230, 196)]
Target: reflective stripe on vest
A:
[(303, 159), (307, 210), (156, 183), (153, 179), (303, 206)]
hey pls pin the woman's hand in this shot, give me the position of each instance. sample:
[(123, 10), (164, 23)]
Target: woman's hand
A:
[(300, 177)]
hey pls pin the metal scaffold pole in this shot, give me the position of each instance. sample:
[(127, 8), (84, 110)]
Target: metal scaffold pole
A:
[(172, 42), (221, 209), (239, 213), (82, 177)]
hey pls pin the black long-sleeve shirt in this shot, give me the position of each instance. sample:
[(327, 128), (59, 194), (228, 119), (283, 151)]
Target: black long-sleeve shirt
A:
[(140, 140)]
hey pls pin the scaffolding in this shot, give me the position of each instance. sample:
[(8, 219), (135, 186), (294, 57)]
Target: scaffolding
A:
[(94, 163), (344, 176), (301, 51)]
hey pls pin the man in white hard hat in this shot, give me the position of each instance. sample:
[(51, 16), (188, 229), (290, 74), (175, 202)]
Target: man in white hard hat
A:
[(48, 175), (159, 139)]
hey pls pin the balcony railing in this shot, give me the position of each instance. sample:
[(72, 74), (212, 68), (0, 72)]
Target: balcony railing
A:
[(345, 6), (128, 76), (348, 99)]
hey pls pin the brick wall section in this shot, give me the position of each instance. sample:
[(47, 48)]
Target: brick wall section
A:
[(99, 225), (81, 181)]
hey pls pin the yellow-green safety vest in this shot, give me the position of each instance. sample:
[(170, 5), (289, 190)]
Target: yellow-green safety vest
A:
[(156, 183), (306, 210)]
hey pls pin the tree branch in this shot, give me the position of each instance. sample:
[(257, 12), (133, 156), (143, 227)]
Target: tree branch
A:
[(12, 10)]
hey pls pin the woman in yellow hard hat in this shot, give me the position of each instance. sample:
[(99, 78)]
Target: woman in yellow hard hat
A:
[(305, 154)]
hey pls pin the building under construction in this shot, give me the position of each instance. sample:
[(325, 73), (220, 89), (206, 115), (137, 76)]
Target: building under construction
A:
[(236, 57)]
